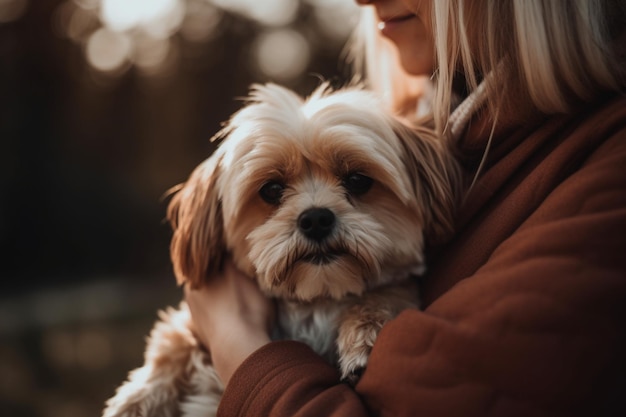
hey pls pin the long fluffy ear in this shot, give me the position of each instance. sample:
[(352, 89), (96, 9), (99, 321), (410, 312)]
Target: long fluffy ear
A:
[(435, 176), (197, 248)]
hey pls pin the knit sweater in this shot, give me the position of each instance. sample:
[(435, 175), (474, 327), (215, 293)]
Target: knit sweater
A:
[(524, 308)]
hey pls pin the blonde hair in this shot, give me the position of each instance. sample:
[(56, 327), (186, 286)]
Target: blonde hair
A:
[(538, 54)]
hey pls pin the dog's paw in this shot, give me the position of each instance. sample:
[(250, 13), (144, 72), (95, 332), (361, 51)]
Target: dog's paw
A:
[(354, 344), (353, 360)]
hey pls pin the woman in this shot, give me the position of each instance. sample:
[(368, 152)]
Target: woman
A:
[(524, 308)]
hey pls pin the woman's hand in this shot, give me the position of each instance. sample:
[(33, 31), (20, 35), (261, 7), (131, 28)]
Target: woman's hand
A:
[(232, 317)]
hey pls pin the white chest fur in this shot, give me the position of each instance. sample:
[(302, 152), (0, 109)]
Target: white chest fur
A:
[(313, 323)]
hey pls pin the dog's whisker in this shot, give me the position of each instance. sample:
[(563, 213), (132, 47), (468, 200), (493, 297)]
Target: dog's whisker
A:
[(287, 264), (369, 268)]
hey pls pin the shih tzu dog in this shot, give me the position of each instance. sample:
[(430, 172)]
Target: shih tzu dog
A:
[(326, 202)]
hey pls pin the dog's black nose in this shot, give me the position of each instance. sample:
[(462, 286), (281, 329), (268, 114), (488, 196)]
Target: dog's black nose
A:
[(316, 223)]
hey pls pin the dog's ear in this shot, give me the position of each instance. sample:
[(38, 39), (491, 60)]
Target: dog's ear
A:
[(435, 178), (197, 248)]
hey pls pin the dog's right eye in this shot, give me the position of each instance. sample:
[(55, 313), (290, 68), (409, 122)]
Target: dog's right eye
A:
[(272, 192), (357, 184)]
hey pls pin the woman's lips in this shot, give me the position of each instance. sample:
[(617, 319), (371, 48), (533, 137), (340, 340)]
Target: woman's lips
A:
[(390, 25)]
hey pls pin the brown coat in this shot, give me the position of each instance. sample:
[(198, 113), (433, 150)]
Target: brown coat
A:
[(525, 309)]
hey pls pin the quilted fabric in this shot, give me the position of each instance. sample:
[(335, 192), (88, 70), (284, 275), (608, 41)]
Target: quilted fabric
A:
[(525, 309)]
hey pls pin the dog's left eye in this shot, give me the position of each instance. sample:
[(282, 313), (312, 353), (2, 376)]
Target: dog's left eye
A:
[(272, 192), (357, 184)]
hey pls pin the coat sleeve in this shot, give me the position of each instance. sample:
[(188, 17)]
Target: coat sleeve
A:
[(537, 330), (288, 379)]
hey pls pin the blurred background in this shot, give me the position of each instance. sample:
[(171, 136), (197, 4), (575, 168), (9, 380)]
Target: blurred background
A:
[(104, 105)]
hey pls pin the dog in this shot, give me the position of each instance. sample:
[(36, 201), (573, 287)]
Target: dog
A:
[(326, 202)]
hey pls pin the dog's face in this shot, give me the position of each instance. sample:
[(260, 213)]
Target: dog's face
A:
[(315, 198)]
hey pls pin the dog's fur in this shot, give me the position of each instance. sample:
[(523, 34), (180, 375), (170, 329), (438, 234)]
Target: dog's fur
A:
[(337, 285)]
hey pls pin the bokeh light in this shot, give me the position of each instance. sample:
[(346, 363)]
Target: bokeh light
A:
[(122, 34), (11, 10), (108, 50), (282, 54), (336, 18), (77, 22), (201, 20), (88, 4), (156, 16), (266, 12)]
